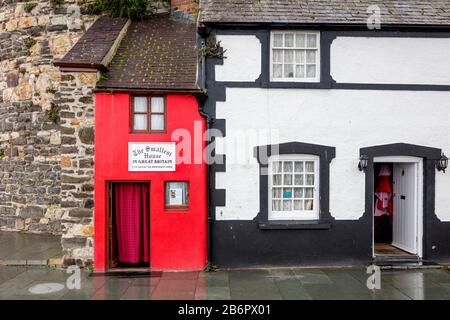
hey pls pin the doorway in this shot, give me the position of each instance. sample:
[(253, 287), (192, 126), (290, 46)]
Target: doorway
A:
[(128, 225), (397, 207)]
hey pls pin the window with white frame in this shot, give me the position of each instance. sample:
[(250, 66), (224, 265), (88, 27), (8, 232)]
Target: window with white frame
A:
[(295, 56), (294, 187)]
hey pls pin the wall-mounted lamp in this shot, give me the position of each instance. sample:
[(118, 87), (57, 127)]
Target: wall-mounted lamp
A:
[(363, 162), (442, 163)]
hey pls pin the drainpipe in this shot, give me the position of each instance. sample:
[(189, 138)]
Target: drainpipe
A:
[(209, 121)]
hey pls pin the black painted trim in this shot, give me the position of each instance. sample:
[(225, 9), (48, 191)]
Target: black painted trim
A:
[(297, 225), (325, 154), (431, 224)]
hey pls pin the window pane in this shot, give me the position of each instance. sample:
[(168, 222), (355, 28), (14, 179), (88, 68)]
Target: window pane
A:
[(300, 40), (311, 41), (157, 122), (298, 193), (287, 193), (298, 179), (289, 40), (276, 166), (309, 193), (140, 104), (298, 205), (287, 205), (277, 71), (276, 181), (276, 193), (287, 166), (309, 205), (298, 166), (278, 40), (176, 193), (276, 205), (299, 56), (288, 70), (287, 179), (309, 165), (309, 179), (300, 71), (288, 56), (311, 71), (158, 104), (311, 56), (140, 122), (278, 56)]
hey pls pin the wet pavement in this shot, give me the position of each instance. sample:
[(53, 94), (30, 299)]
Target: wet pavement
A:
[(257, 284)]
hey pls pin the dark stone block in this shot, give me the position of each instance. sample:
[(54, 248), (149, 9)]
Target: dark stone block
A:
[(86, 100), (80, 213), (12, 80), (86, 135), (89, 204), (68, 140), (59, 27), (31, 212), (73, 243)]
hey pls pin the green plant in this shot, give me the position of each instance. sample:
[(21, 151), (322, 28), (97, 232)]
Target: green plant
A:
[(52, 115), (56, 3), (28, 7), (2, 154), (29, 42), (103, 76), (132, 9), (89, 268), (50, 90), (210, 267), (212, 49)]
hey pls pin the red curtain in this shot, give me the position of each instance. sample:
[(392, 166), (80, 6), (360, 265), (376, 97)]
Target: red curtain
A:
[(132, 222)]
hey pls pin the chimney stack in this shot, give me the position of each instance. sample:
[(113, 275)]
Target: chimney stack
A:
[(184, 8)]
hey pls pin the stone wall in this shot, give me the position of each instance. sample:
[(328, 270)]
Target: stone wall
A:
[(46, 124)]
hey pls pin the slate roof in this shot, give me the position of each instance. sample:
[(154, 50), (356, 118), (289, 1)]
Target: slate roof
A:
[(393, 12), (156, 53), (94, 45)]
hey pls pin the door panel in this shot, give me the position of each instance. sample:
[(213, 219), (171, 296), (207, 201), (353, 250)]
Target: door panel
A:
[(405, 207)]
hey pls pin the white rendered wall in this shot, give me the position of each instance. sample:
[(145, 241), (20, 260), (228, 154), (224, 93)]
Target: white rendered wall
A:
[(345, 119), (390, 60), (243, 58)]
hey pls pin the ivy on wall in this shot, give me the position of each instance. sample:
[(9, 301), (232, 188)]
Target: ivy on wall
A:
[(132, 9)]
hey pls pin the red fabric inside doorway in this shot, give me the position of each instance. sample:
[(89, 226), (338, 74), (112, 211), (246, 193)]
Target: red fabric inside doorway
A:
[(132, 222)]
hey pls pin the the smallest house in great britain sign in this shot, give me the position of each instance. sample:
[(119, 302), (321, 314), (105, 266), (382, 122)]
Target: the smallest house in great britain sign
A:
[(151, 156)]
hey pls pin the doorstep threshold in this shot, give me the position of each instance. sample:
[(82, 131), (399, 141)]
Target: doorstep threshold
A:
[(144, 272)]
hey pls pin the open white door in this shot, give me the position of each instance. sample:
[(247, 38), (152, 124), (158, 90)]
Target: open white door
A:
[(405, 224)]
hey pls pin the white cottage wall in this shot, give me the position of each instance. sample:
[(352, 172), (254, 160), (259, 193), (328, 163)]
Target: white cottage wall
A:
[(345, 119), (390, 60)]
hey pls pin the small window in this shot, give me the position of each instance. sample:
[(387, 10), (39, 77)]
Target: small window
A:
[(295, 56), (148, 114), (177, 195), (294, 187)]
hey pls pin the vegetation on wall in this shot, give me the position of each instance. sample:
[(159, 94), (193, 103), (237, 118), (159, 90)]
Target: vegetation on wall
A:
[(28, 7), (212, 49), (132, 9), (52, 115)]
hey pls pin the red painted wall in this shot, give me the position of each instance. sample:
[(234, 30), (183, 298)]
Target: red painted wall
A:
[(178, 239)]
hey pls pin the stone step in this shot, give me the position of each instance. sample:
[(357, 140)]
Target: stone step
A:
[(56, 262)]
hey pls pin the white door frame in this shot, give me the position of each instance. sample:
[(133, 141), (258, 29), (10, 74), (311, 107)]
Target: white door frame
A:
[(419, 192)]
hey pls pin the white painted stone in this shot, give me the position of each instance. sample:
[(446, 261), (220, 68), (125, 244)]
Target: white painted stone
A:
[(346, 119), (390, 60), (243, 58)]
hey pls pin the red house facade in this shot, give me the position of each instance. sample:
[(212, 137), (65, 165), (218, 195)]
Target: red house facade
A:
[(177, 237)]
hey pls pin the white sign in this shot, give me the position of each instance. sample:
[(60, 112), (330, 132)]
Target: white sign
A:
[(176, 196), (151, 156)]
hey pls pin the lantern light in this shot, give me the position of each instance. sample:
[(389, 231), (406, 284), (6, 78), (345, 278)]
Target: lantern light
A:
[(363, 162), (442, 163)]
